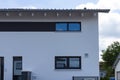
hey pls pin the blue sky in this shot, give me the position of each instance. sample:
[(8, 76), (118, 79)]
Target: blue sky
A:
[(43, 3), (109, 24)]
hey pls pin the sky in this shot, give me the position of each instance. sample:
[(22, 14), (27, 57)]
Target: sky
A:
[(109, 24), (42, 3)]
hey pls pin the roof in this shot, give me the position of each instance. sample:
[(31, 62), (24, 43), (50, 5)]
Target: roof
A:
[(48, 14), (56, 10), (116, 61)]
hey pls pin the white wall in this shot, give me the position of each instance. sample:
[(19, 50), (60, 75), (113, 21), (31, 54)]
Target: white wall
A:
[(39, 49)]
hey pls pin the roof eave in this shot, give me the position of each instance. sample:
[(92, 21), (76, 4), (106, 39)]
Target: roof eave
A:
[(80, 10)]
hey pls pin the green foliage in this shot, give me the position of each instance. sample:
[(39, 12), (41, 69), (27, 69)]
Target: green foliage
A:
[(109, 56), (111, 53), (105, 78)]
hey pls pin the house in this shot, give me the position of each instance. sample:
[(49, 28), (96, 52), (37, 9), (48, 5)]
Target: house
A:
[(103, 72), (49, 44), (116, 66)]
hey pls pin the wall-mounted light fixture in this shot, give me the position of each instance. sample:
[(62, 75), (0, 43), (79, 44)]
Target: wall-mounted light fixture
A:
[(7, 14), (86, 55), (32, 14), (57, 14), (70, 14), (94, 14), (82, 14), (45, 14), (20, 14)]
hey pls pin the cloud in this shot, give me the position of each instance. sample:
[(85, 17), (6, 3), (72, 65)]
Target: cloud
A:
[(108, 4), (109, 24), (28, 7), (59, 4)]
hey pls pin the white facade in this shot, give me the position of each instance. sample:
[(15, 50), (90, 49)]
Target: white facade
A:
[(38, 49)]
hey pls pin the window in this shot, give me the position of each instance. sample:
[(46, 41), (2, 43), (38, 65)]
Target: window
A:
[(67, 62), (1, 68), (61, 26), (73, 62), (17, 62), (61, 62), (68, 26), (17, 67), (74, 27)]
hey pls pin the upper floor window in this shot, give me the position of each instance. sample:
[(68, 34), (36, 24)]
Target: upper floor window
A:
[(41, 26), (74, 27), (61, 26), (68, 26), (67, 62)]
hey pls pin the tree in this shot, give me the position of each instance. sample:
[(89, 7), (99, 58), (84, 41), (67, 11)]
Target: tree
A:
[(109, 56)]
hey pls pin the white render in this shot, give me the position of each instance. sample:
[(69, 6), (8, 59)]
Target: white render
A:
[(38, 49)]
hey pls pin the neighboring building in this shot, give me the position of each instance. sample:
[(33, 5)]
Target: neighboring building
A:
[(43, 44), (102, 70), (116, 66), (102, 73)]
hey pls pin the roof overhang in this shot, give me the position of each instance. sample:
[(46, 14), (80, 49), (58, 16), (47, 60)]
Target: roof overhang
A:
[(42, 15), (55, 10)]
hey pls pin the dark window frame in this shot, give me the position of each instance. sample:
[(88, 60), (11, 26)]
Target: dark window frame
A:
[(17, 58), (84, 77), (68, 60), (27, 26), (68, 27), (34, 27), (2, 68)]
